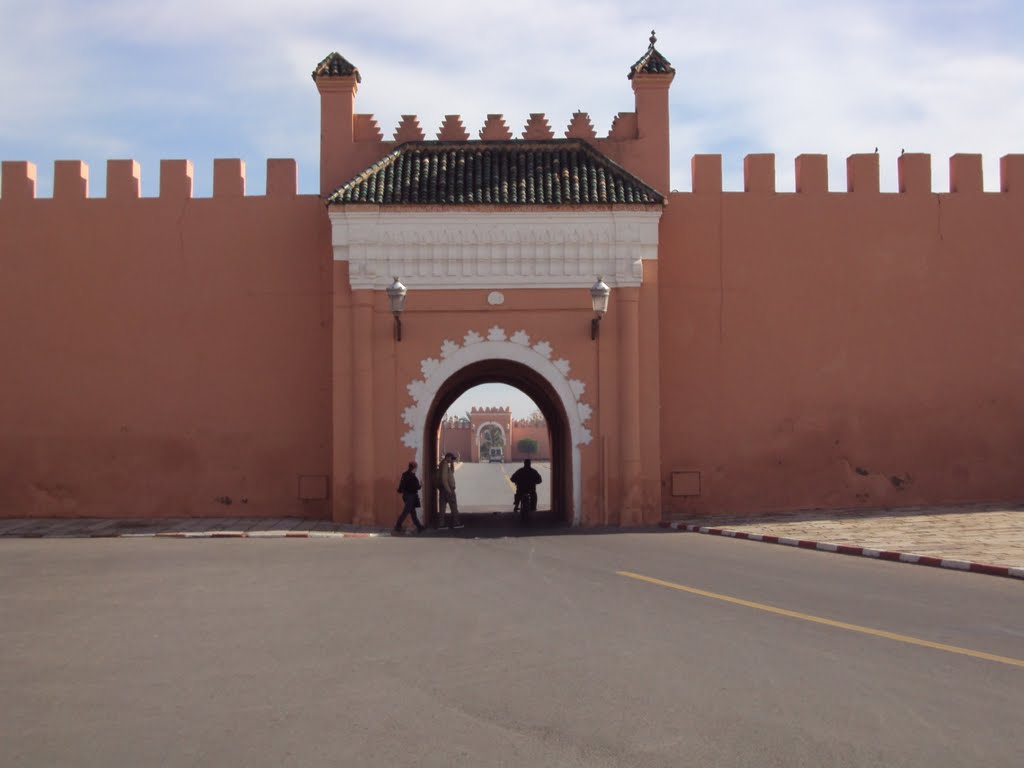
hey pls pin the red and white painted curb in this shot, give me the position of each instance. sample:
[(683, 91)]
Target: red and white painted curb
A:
[(844, 549), (241, 535)]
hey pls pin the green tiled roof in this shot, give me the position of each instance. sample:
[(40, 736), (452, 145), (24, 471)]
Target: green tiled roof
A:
[(336, 65), (557, 171), (652, 62)]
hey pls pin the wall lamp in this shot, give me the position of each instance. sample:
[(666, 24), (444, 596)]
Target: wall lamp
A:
[(396, 300), (599, 293)]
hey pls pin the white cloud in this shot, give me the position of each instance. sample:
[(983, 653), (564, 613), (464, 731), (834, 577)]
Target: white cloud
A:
[(231, 77)]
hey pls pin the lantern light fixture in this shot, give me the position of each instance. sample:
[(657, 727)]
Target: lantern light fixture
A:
[(599, 293), (396, 300)]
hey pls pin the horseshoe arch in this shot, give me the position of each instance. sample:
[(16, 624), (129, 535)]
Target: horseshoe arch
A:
[(513, 359)]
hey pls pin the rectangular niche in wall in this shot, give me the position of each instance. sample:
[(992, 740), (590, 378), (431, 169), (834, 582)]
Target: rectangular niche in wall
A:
[(686, 483)]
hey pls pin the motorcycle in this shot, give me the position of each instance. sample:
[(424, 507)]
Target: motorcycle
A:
[(525, 504)]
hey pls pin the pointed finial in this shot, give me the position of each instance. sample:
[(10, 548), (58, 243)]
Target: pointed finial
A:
[(653, 38)]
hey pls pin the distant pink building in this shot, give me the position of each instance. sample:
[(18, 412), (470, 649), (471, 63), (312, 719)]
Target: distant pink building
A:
[(465, 436), (762, 350)]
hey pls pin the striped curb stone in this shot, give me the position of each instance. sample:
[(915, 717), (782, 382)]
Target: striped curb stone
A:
[(222, 528), (261, 535), (239, 535), (845, 549)]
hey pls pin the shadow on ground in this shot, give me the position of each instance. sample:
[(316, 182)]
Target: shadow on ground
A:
[(497, 525)]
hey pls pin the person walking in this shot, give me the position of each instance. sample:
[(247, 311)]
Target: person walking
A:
[(447, 489), (409, 487), (526, 479)]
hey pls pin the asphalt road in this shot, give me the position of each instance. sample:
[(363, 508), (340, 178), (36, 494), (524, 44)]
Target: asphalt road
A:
[(529, 651), (486, 487)]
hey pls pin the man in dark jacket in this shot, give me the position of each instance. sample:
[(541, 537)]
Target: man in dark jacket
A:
[(526, 479), (409, 487)]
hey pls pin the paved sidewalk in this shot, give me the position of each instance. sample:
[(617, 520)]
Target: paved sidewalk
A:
[(986, 538)]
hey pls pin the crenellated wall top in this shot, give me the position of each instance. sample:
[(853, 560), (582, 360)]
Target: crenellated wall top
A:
[(367, 129), (123, 179), (914, 174)]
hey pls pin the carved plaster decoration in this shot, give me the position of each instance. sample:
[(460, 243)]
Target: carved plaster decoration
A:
[(501, 429), (495, 298), (477, 249), (497, 345)]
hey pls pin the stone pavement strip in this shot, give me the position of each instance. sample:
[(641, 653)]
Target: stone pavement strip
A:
[(979, 538)]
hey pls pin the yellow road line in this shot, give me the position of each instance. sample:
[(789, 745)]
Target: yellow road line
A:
[(827, 622)]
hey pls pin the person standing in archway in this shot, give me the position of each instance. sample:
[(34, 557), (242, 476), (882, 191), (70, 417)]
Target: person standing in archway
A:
[(525, 479), (446, 486), (409, 487)]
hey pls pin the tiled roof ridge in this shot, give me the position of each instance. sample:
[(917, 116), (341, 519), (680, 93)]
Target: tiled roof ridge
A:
[(611, 184), (336, 65), (652, 62), (382, 163)]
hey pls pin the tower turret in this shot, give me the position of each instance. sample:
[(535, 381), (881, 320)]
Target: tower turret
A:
[(337, 80), (651, 76)]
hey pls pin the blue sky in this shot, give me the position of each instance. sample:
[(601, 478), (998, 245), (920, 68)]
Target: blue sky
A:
[(230, 78), (201, 79)]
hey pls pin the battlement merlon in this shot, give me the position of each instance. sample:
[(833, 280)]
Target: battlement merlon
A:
[(70, 179), (17, 180)]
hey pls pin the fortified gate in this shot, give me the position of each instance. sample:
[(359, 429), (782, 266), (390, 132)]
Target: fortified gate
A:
[(498, 243), (692, 353)]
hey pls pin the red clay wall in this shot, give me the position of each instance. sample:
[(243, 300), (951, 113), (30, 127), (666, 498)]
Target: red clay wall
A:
[(164, 356), (842, 349), (458, 440), (524, 430)]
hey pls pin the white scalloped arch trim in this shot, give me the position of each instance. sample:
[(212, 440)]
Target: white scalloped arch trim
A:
[(475, 349)]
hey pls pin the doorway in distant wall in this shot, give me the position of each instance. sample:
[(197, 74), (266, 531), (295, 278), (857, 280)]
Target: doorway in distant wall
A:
[(491, 441)]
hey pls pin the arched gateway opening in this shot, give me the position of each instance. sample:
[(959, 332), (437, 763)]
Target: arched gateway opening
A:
[(564, 507), (527, 364)]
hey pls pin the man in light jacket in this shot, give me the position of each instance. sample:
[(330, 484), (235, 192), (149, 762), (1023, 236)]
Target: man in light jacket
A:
[(447, 490)]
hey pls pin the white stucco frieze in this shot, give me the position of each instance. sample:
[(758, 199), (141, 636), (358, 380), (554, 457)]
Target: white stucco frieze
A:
[(477, 248)]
